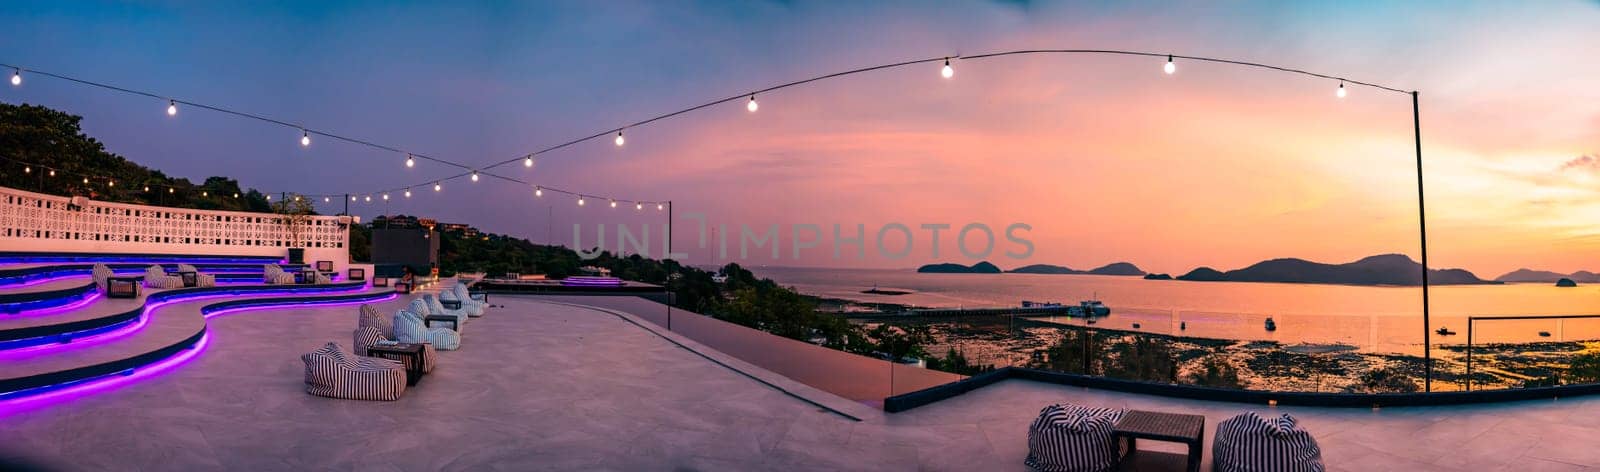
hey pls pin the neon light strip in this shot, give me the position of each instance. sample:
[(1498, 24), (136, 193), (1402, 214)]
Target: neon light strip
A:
[(84, 300), (19, 401)]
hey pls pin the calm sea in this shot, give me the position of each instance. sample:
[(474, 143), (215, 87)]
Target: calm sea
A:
[(1382, 319)]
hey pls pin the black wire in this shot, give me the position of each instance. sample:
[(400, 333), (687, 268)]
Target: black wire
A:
[(1176, 56)]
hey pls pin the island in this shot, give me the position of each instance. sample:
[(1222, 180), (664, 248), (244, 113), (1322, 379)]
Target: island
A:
[(1158, 276), (1116, 268), (1545, 276), (983, 267), (1386, 269), (1566, 283)]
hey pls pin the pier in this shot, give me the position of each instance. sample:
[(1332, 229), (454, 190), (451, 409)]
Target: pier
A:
[(1063, 310)]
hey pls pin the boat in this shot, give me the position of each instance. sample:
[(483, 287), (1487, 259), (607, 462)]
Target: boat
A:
[(1136, 326), (1544, 334), (1183, 325), (1271, 325), (1445, 331), (1095, 308), (1033, 304)]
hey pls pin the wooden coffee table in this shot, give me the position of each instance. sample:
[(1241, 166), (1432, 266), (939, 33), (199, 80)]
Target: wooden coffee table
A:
[(1157, 426), (409, 355)]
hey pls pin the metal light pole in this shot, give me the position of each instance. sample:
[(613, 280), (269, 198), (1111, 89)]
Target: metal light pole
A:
[(1422, 227)]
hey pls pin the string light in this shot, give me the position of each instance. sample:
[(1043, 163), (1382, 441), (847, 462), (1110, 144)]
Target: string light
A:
[(1341, 92), (111, 183), (638, 206), (947, 71), (52, 172), (527, 161), (173, 190), (27, 170), (172, 108), (269, 197), (752, 106), (352, 198), (386, 196), (580, 201), (369, 199), (147, 188), (408, 192), (305, 138), (410, 162), (659, 206), (538, 191), (205, 193), (297, 198), (619, 139), (474, 176), (1170, 67), (16, 77), (613, 203), (436, 186), (85, 180), (235, 194)]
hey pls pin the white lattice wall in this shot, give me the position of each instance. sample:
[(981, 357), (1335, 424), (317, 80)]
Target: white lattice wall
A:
[(38, 222)]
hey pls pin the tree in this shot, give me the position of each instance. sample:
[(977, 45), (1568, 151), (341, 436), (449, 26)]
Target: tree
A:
[(1070, 354), (296, 212), (1386, 380), (956, 363), (1146, 358), (1585, 368), (1216, 371)]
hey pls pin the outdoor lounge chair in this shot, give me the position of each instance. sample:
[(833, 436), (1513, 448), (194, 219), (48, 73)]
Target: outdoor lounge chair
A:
[(1249, 442), (333, 373), (468, 306), (383, 328), (371, 318), (436, 308), (200, 280), (469, 299), (409, 328), (156, 277), (365, 336), (274, 275), (101, 274), (1072, 438)]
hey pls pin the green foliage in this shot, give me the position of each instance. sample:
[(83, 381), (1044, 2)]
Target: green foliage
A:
[(956, 362), (1070, 354), (1386, 380), (45, 136), (1216, 371), (1585, 368), (1145, 358)]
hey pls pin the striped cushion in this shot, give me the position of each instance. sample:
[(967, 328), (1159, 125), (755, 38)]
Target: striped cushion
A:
[(367, 336), (370, 317), (331, 372), (1249, 442), (408, 328), (100, 274), (436, 308), (274, 275), (323, 279), (1072, 438), (469, 308), (156, 277)]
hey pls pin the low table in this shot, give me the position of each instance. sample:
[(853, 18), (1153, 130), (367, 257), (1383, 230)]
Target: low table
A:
[(1171, 427), (190, 278), (123, 287), (409, 355), (455, 323)]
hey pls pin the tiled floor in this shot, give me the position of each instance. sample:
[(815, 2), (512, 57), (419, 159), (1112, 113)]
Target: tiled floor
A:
[(539, 386)]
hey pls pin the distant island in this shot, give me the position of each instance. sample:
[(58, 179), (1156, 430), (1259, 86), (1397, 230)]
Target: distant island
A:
[(983, 267), (1116, 268), (1545, 276), (1158, 276), (1566, 283), (1386, 269)]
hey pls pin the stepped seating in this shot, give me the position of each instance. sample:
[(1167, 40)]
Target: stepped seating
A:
[(62, 341)]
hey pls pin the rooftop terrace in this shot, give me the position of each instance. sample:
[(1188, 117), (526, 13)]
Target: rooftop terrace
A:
[(547, 384)]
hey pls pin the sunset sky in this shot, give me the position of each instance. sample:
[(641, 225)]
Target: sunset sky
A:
[(1107, 158)]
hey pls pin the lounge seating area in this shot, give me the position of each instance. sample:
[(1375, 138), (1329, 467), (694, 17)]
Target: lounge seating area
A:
[(156, 277), (404, 339), (201, 279), (1075, 438), (273, 274)]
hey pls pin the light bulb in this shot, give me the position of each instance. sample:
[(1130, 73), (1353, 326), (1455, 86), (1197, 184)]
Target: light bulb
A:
[(527, 161), (1170, 67), (538, 191), (172, 108), (236, 195), (369, 198), (408, 193), (85, 180), (659, 206), (269, 197), (16, 77), (1341, 92), (173, 190), (297, 198), (436, 186), (619, 139), (613, 204), (305, 138), (205, 194), (147, 188), (410, 162), (474, 176), (638, 206), (580, 201), (111, 183), (947, 71), (752, 106), (52, 172), (27, 170), (385, 196), (352, 198)]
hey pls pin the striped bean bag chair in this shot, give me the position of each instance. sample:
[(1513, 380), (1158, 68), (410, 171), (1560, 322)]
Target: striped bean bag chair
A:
[(274, 275), (472, 309), (200, 280), (1072, 438), (368, 336), (408, 328), (1251, 443), (101, 274), (322, 279), (371, 318), (468, 299), (331, 372), (436, 308), (156, 277)]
